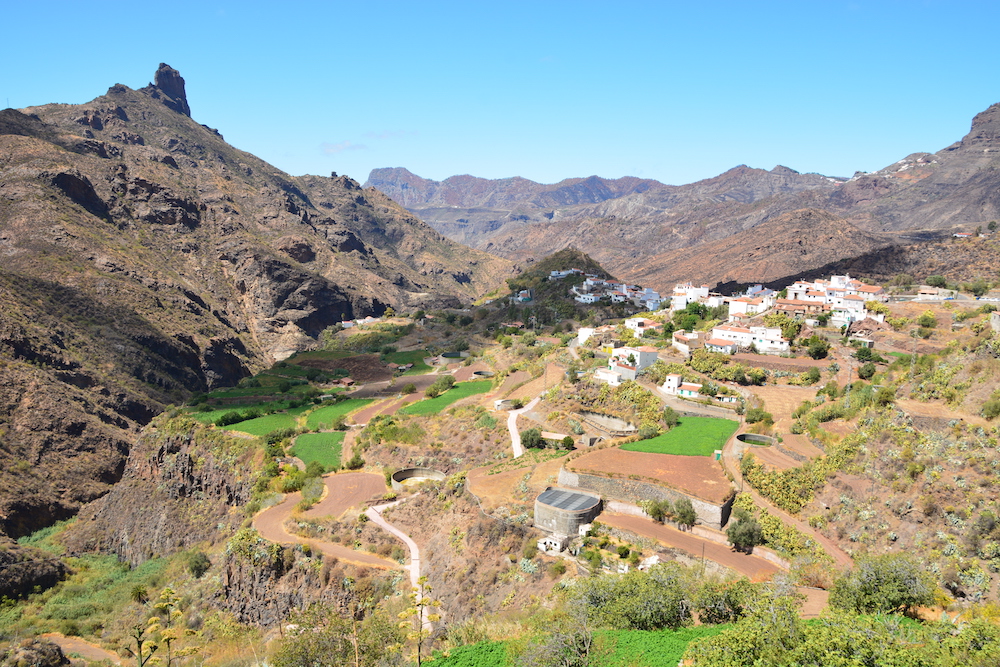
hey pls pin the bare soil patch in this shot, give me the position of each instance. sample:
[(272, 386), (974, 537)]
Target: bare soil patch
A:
[(361, 368), (781, 400), (816, 601), (345, 491), (701, 476), (772, 458), (800, 444), (938, 410), (514, 379), (466, 373), (86, 650)]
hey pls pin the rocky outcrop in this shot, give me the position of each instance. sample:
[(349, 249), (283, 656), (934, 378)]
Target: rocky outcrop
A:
[(182, 485), (34, 652), (26, 570), (170, 84)]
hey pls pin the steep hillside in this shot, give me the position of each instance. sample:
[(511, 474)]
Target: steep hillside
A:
[(790, 244), (145, 258), (957, 186)]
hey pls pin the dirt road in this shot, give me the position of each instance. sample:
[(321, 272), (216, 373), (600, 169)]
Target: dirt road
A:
[(74, 646), (753, 567), (343, 491), (515, 436)]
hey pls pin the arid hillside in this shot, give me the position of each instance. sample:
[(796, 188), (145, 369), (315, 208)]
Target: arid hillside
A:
[(144, 258)]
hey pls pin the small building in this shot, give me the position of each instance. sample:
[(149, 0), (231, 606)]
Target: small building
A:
[(561, 512), (720, 345)]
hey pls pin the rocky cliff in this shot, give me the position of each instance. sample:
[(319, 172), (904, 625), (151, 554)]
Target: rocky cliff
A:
[(144, 258)]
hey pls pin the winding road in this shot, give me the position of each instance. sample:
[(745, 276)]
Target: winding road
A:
[(515, 435), (342, 492)]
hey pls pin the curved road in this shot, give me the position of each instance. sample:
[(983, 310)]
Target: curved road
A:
[(515, 436), (343, 491), (375, 514)]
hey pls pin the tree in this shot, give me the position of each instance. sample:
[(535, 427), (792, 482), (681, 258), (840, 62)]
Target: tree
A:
[(198, 563), (745, 533), (927, 320), (936, 281), (818, 347), (725, 601), (762, 637), (670, 417), (866, 371), (684, 510), (637, 600), (888, 583), (531, 437), (567, 442)]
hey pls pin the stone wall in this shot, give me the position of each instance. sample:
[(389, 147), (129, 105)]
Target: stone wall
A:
[(634, 491)]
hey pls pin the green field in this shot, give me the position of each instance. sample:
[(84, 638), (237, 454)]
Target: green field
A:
[(456, 393), (210, 416), (267, 423), (693, 436), (330, 413), (322, 447), (611, 648)]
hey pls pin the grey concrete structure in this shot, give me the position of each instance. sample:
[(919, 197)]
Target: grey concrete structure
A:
[(563, 511)]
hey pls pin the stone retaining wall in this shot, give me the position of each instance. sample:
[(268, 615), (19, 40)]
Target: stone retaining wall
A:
[(634, 491)]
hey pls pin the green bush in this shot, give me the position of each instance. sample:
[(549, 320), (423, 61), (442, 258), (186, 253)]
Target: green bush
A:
[(198, 563)]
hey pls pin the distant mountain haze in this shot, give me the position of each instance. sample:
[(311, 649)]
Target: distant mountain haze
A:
[(658, 234)]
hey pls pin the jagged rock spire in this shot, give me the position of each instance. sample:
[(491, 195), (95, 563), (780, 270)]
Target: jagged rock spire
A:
[(171, 84)]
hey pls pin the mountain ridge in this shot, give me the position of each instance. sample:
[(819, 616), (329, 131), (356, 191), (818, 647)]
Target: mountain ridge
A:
[(144, 259)]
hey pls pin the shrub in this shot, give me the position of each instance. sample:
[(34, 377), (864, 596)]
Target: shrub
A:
[(866, 371), (936, 281), (927, 320), (532, 437), (355, 462), (745, 534), (198, 563), (409, 388), (754, 415)]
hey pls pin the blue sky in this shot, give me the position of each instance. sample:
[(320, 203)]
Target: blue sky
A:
[(676, 91)]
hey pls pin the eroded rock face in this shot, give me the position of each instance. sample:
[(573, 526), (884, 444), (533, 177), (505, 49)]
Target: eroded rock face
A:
[(25, 568), (178, 488)]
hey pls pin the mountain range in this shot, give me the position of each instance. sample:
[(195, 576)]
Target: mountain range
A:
[(652, 233), (144, 258)]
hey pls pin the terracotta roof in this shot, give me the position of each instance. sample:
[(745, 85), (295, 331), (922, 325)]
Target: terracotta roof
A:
[(691, 387), (726, 327), (719, 342)]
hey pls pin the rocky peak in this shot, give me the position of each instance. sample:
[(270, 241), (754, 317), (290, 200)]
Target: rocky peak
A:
[(985, 129), (170, 84)]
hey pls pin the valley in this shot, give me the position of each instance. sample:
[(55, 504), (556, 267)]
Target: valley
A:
[(251, 418)]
